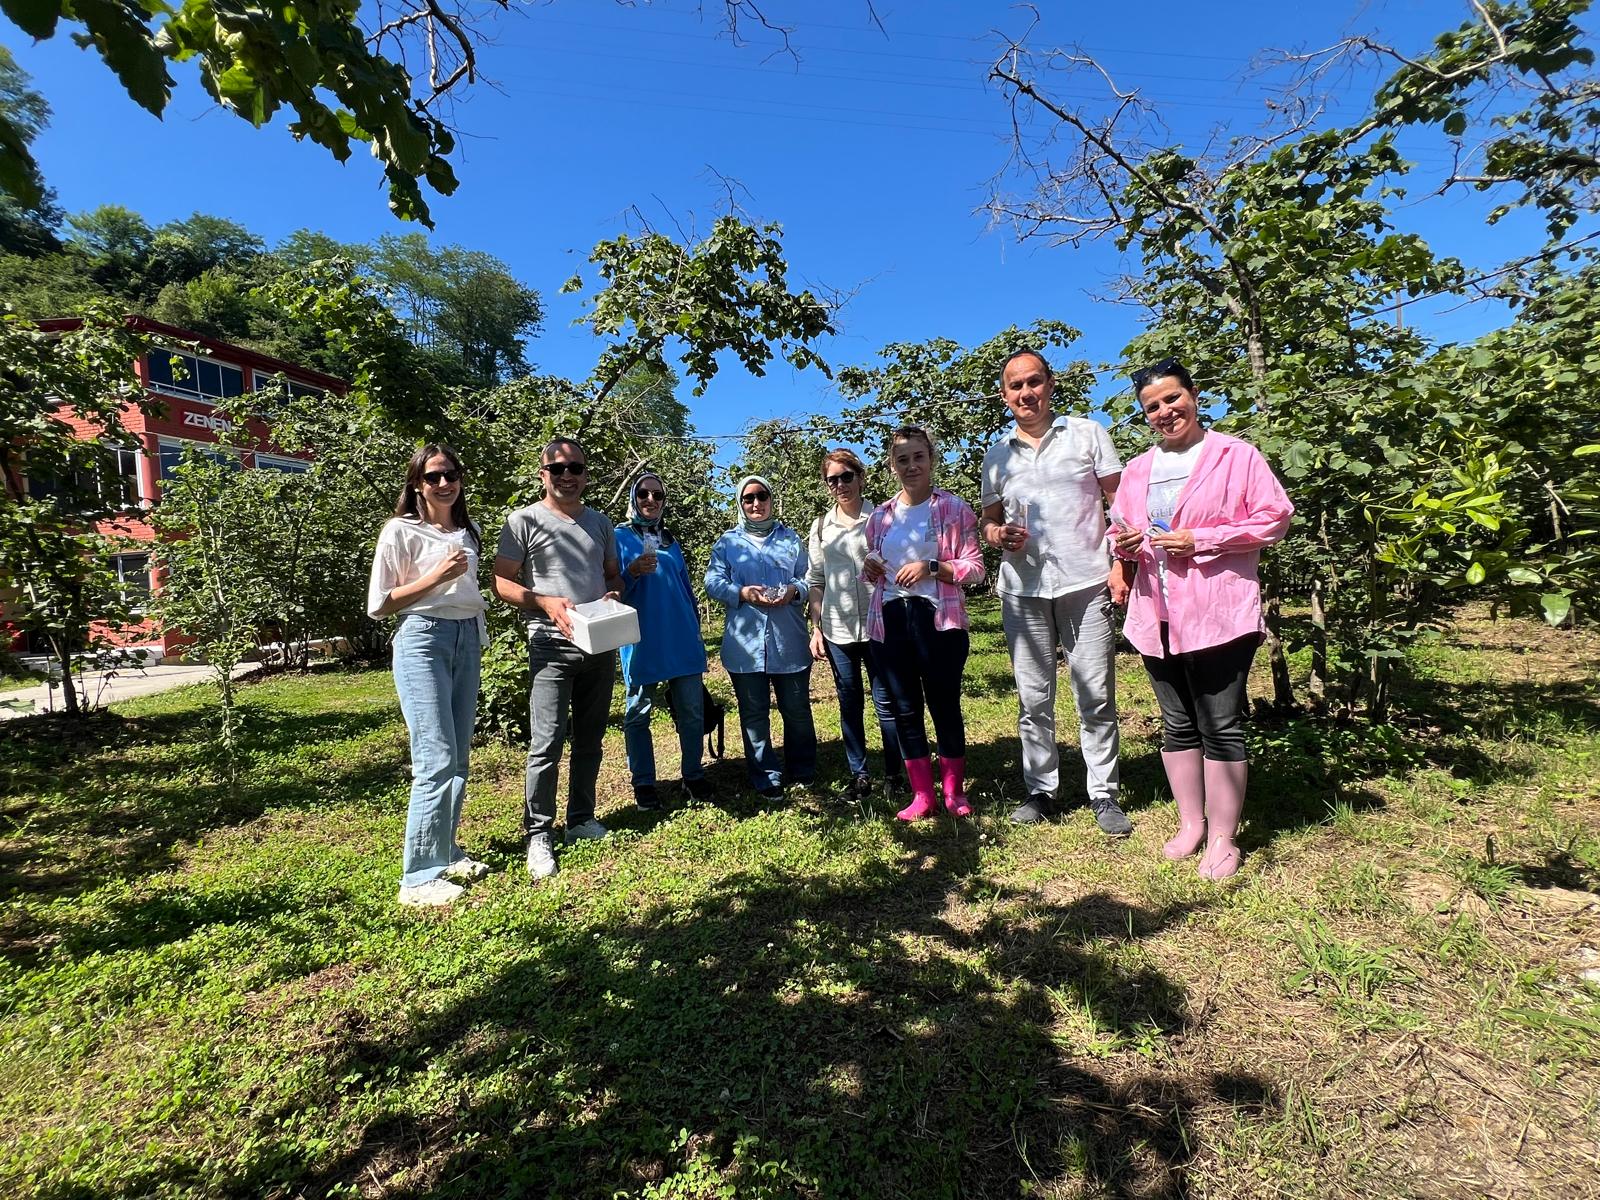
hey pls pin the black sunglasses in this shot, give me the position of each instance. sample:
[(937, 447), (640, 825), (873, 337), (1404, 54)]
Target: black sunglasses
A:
[(1154, 371), (650, 494), (755, 497), (438, 477), (842, 478), (565, 468)]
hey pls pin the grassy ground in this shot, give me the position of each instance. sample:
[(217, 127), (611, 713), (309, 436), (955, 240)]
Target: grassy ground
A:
[(204, 994)]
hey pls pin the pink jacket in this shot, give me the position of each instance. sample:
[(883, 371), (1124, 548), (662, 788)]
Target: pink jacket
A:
[(955, 529), (1234, 506)]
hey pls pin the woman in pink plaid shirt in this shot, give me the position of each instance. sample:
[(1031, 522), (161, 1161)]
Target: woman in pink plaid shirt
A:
[(922, 549)]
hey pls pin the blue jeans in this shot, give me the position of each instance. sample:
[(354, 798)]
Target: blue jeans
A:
[(848, 661), (687, 711), (754, 691), (563, 679), (436, 666)]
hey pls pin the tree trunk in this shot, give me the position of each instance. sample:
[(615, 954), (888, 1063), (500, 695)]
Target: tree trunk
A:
[(1318, 685), (69, 691), (1282, 687)]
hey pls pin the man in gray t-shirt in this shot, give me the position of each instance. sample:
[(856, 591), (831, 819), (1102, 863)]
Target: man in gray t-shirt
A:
[(552, 555), (558, 555)]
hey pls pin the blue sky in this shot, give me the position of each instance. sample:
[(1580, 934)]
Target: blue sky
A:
[(872, 150)]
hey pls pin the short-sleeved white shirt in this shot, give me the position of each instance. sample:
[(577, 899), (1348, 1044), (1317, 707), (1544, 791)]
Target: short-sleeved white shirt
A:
[(1057, 486)]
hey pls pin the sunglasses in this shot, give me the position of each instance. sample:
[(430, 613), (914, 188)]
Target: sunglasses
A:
[(650, 494), (842, 478), (564, 468), (438, 477), (1154, 371), (755, 497)]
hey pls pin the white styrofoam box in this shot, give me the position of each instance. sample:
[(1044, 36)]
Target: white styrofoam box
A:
[(603, 625)]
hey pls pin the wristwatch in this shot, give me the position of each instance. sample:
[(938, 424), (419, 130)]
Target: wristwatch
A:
[(933, 568)]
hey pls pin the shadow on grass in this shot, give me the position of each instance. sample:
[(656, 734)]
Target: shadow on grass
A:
[(787, 1034), (94, 815), (1465, 721)]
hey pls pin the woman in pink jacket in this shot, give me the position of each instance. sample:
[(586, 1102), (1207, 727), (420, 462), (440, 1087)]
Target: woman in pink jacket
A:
[(1195, 512), (922, 549)]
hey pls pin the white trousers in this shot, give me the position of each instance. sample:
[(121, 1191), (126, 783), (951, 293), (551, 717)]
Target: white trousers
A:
[(1082, 622)]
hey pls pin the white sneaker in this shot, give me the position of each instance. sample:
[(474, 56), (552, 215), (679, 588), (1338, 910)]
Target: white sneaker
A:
[(591, 829), (541, 856), (466, 869), (431, 894)]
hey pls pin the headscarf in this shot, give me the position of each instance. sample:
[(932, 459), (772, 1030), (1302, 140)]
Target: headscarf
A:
[(758, 528), (637, 519)]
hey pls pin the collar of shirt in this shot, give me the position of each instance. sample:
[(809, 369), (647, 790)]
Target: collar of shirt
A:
[(1059, 421)]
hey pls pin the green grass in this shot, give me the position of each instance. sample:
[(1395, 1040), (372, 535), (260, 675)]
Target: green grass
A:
[(205, 993)]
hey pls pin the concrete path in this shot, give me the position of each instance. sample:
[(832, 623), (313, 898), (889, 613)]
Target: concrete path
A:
[(100, 688)]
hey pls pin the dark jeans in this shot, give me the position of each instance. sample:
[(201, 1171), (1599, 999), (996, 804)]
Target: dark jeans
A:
[(754, 691), (1202, 696), (848, 661), (924, 664), (564, 679)]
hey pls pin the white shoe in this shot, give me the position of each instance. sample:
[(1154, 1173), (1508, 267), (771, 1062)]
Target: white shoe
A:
[(466, 869), (591, 829), (541, 856), (431, 894)]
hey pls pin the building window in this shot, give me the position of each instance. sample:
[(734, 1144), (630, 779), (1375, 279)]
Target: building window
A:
[(175, 373), (289, 466), (106, 476), (172, 455), (133, 577), (260, 381)]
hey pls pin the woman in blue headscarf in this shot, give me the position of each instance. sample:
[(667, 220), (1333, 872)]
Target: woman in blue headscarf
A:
[(758, 570), (670, 652)]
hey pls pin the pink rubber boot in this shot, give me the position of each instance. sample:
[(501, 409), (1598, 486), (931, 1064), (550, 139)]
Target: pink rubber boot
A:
[(919, 771), (953, 774), (1186, 774), (1225, 783)]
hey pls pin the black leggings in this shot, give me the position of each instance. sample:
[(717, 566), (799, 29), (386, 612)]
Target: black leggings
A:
[(1202, 696), (923, 663)]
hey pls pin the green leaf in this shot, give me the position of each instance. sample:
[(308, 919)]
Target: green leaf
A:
[(37, 18), (1556, 607), (1586, 451), (1524, 575), (1476, 574), (1455, 124)]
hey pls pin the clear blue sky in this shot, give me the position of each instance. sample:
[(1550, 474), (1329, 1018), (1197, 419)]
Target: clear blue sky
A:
[(873, 152)]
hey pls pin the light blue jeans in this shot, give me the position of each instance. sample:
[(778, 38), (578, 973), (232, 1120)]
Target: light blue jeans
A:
[(436, 666), (687, 712), (754, 691)]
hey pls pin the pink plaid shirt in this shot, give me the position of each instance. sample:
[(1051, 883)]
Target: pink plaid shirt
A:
[(955, 532)]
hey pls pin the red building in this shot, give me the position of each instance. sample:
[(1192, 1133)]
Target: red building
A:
[(189, 374)]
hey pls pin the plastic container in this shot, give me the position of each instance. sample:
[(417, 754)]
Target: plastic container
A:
[(603, 625)]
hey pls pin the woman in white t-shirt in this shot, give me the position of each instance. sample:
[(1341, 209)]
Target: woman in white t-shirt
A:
[(426, 570)]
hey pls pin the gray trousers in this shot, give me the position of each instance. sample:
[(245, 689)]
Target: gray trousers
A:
[(564, 679), (1082, 622)]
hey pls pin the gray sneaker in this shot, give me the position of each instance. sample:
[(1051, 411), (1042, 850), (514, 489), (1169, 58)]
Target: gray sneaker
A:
[(541, 856), (1109, 816), (1032, 810), (590, 829)]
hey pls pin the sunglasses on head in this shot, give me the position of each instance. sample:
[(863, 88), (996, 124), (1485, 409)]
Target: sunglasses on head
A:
[(565, 468), (839, 480), (437, 477), (1144, 375), (650, 494), (755, 497)]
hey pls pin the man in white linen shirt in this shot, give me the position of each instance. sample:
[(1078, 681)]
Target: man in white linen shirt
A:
[(1046, 485)]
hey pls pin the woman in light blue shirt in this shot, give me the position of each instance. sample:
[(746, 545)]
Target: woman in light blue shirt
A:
[(758, 571), (669, 652)]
